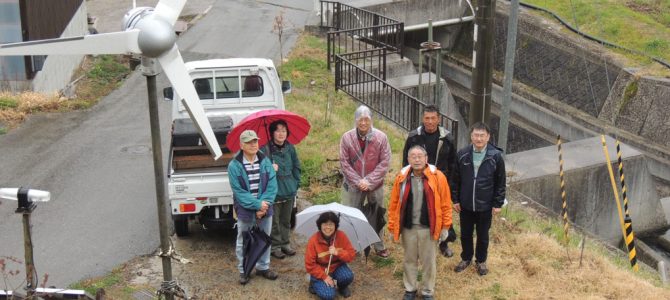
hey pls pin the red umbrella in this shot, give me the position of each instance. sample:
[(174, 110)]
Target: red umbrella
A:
[(260, 121)]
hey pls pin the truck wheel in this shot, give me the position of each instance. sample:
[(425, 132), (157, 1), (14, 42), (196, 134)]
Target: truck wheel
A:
[(181, 226)]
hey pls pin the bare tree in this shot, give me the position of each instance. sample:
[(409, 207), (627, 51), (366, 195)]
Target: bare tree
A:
[(278, 28)]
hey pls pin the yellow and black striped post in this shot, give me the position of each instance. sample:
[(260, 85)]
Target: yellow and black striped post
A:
[(628, 222), (566, 224), (615, 190)]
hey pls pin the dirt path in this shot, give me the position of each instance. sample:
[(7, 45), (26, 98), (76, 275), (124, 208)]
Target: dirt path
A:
[(211, 271)]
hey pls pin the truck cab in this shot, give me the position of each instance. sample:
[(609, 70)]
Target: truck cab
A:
[(229, 89)]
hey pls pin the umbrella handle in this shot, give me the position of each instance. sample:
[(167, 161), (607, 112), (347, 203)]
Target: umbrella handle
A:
[(330, 259)]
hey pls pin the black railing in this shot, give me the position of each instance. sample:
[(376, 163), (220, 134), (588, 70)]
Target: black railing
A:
[(389, 37), (354, 29), (338, 16), (372, 61), (392, 103)]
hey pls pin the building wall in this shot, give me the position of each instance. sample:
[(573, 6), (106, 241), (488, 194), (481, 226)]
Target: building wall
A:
[(37, 26), (58, 70)]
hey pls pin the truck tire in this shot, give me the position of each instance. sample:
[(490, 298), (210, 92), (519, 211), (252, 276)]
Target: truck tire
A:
[(181, 227)]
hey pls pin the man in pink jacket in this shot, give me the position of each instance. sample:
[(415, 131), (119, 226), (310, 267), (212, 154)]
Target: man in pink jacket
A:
[(365, 155)]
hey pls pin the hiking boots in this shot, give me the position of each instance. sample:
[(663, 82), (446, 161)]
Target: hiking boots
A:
[(288, 250), (482, 269), (278, 253), (267, 274), (464, 264), (345, 292), (244, 279)]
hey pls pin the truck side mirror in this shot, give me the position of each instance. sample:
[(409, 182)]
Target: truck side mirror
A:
[(168, 93), (286, 86)]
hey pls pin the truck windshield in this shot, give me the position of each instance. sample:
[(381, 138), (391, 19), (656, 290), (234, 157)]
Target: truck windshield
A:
[(229, 87)]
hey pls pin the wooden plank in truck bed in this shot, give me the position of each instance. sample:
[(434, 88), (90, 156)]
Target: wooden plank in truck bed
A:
[(200, 161)]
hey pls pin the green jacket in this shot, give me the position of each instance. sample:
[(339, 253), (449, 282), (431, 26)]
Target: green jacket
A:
[(288, 174)]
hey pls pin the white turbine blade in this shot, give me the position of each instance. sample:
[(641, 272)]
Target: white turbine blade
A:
[(170, 9), (105, 43), (174, 68)]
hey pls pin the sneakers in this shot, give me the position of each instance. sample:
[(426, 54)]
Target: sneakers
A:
[(409, 295), (244, 279), (427, 297), (345, 292), (288, 250), (482, 269), (383, 253), (278, 253), (464, 264), (311, 290), (267, 274)]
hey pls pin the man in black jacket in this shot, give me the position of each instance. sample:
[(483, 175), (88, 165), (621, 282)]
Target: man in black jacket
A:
[(479, 193), (441, 148)]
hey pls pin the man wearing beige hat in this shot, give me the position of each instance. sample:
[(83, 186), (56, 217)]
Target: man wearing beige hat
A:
[(254, 185)]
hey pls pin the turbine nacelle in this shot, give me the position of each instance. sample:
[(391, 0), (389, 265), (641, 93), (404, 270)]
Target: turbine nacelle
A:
[(156, 36)]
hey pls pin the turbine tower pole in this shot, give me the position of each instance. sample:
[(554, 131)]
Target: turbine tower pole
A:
[(150, 70)]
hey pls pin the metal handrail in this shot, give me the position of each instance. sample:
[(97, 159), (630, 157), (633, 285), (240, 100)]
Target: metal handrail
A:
[(353, 29), (372, 60), (389, 37), (393, 104), (338, 16)]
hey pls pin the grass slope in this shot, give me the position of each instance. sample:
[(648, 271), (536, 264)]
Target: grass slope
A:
[(642, 25)]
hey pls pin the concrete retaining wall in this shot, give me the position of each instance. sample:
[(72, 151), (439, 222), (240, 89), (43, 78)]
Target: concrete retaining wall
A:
[(565, 69), (58, 69), (639, 105), (590, 197)]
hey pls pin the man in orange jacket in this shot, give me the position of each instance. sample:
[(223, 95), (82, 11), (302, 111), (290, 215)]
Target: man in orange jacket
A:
[(420, 209)]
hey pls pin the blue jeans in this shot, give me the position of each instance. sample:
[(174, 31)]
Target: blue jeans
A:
[(265, 224), (344, 277)]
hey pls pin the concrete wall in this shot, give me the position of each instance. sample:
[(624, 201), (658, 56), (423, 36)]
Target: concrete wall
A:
[(569, 71), (413, 12), (58, 69), (589, 192), (639, 105)]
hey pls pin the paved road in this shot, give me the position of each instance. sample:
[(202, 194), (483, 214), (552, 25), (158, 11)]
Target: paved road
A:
[(97, 163)]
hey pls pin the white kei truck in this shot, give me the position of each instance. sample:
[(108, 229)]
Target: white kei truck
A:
[(229, 89)]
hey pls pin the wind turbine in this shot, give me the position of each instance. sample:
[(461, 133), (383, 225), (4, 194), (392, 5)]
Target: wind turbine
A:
[(147, 31)]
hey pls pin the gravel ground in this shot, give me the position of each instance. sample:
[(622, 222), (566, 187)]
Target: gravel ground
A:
[(207, 270)]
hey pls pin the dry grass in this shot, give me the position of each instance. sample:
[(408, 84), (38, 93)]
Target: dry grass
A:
[(527, 262), (98, 77), (26, 103)]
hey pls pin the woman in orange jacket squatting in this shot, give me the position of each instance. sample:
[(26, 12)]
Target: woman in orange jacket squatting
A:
[(326, 257)]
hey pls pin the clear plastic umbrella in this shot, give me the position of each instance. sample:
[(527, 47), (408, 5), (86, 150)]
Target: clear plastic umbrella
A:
[(352, 222)]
